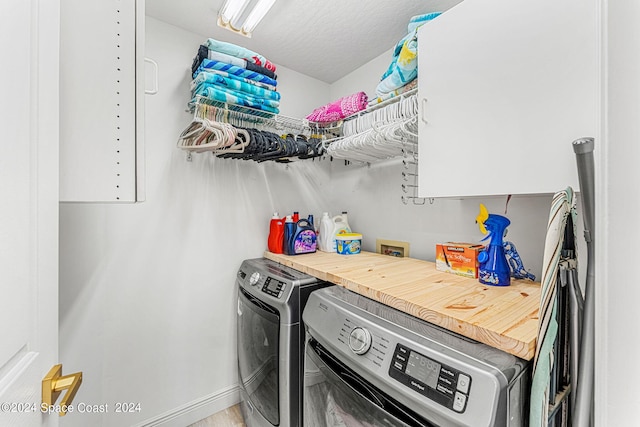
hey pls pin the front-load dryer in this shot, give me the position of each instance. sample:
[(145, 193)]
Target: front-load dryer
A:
[(271, 298)]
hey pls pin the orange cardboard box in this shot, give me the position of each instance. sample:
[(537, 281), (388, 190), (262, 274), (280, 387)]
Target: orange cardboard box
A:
[(458, 258)]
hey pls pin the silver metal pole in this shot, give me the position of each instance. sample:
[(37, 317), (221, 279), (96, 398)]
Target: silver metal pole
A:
[(583, 148)]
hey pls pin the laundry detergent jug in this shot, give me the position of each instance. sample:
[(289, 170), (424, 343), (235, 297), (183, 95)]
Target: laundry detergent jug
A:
[(303, 239), (289, 232), (326, 234), (276, 234), (341, 225)]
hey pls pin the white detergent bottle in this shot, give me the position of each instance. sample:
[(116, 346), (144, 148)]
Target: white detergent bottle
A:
[(341, 226), (346, 222), (326, 235)]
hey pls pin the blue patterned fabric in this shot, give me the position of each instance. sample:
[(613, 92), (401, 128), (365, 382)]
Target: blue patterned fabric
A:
[(240, 79), (234, 70), (222, 94), (404, 65), (250, 89)]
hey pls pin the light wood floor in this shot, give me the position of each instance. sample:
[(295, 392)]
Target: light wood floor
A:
[(230, 417)]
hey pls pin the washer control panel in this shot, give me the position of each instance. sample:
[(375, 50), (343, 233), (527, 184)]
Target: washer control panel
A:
[(370, 347), (274, 287), (431, 379)]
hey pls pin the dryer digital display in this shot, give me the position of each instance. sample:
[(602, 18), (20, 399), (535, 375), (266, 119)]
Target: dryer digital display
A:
[(273, 287), (423, 369), (440, 383)]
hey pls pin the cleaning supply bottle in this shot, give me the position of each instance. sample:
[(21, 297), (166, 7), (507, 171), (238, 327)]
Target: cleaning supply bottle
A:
[(341, 225), (304, 240), (493, 267), (326, 236), (346, 221), (296, 216), (289, 231), (276, 234)]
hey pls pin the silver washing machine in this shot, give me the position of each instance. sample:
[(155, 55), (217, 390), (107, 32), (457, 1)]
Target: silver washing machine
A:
[(271, 298), (367, 364)]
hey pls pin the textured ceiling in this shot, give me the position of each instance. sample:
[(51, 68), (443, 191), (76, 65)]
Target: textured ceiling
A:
[(324, 39)]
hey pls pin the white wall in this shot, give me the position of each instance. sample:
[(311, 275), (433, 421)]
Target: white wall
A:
[(365, 78), (372, 196), (147, 295), (300, 94)]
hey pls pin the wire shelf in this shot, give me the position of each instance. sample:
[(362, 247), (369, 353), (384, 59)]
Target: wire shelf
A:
[(251, 116), (382, 104), (248, 111)]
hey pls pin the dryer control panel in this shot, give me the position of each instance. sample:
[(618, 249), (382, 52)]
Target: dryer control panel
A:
[(430, 378), (274, 287)]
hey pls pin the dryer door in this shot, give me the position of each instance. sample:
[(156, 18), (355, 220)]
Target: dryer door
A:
[(335, 395), (258, 341)]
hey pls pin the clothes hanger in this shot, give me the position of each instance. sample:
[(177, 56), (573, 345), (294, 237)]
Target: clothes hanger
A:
[(240, 142)]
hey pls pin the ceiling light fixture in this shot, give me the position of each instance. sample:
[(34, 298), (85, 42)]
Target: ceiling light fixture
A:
[(242, 16)]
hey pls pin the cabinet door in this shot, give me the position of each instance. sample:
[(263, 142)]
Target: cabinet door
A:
[(101, 100), (505, 87)]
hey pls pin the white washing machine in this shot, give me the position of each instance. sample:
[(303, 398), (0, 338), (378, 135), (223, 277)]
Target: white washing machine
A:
[(369, 365), (271, 298)]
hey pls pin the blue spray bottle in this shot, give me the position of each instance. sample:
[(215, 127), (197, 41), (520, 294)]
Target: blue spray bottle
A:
[(494, 268)]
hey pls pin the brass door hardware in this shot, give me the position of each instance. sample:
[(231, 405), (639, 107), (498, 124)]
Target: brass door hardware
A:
[(54, 383)]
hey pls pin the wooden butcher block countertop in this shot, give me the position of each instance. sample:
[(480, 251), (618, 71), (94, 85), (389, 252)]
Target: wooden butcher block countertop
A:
[(502, 317)]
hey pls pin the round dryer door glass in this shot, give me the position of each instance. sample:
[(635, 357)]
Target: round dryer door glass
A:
[(360, 340)]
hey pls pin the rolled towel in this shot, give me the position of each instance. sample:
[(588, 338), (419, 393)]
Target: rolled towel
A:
[(406, 88), (339, 109), (404, 64)]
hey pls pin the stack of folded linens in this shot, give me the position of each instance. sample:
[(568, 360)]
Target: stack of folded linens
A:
[(403, 70), (235, 75)]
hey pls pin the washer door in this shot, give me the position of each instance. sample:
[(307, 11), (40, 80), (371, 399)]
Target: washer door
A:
[(336, 396), (258, 341)]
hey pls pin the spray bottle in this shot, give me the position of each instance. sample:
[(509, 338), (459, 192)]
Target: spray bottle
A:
[(494, 268)]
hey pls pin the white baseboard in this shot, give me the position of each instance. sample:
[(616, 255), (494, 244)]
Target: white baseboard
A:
[(195, 410)]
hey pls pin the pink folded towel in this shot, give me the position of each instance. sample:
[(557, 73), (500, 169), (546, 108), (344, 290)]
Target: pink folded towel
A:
[(339, 109)]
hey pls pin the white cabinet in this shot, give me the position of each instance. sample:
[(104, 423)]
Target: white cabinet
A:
[(101, 100), (505, 86)]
